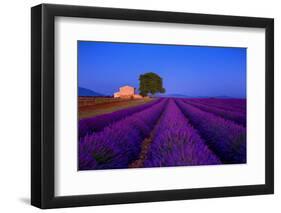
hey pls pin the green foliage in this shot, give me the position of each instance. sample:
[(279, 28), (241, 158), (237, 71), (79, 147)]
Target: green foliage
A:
[(150, 83)]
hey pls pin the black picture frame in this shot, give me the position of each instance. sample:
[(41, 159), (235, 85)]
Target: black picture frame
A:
[(43, 117)]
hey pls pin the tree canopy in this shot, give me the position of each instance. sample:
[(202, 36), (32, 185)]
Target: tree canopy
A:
[(150, 83)]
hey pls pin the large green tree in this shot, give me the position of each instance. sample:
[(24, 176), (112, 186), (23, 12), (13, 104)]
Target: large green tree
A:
[(150, 83)]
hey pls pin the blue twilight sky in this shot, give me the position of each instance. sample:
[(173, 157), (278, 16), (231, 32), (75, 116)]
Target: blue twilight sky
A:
[(187, 70)]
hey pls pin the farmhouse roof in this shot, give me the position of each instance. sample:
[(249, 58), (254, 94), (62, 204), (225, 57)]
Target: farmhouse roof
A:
[(126, 86)]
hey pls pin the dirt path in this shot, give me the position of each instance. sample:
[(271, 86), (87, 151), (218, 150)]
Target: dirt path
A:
[(139, 163), (144, 150)]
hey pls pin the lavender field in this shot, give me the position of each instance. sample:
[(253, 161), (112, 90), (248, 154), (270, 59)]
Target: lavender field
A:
[(165, 132)]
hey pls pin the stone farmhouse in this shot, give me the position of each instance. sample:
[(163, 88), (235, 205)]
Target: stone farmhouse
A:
[(127, 92)]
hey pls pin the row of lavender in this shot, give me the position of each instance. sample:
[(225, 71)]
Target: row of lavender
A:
[(226, 104), (186, 132), (98, 123), (177, 143), (119, 143), (226, 138), (224, 111)]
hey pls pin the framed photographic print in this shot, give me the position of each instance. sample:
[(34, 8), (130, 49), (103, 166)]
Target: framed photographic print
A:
[(139, 106)]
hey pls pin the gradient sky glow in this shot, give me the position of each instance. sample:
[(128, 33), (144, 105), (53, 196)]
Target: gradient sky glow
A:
[(188, 70)]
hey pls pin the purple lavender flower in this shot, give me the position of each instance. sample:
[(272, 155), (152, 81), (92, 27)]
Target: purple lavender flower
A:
[(237, 105), (98, 123), (176, 143), (119, 143), (224, 137), (237, 117)]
